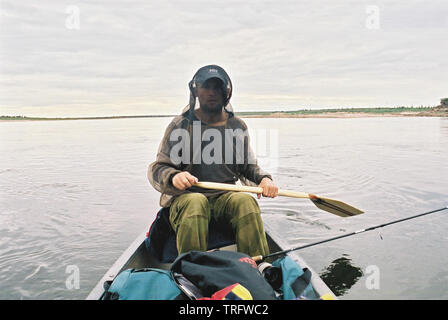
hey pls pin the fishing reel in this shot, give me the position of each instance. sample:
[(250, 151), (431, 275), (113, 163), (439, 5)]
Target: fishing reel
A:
[(272, 274)]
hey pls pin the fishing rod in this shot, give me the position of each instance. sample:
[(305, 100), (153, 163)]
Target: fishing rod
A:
[(261, 258)]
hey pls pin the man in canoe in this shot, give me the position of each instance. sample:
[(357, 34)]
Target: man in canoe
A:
[(207, 142)]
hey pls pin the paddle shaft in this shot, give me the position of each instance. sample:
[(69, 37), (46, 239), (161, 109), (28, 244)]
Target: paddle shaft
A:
[(336, 207), (261, 258), (258, 190)]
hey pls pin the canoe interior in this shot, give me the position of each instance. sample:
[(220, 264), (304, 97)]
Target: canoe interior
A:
[(137, 256)]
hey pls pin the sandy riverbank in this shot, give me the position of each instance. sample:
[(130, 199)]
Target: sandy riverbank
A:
[(349, 115)]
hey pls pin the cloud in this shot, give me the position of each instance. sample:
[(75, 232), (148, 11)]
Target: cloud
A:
[(136, 57)]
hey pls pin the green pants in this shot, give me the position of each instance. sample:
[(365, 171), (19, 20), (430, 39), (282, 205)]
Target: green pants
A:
[(190, 215)]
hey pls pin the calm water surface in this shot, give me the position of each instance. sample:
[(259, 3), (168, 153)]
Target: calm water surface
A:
[(74, 194)]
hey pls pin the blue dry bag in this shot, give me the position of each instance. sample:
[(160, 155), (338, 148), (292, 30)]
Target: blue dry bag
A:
[(296, 282), (143, 284)]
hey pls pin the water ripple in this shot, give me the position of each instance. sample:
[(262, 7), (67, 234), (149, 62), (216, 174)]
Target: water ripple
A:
[(60, 206)]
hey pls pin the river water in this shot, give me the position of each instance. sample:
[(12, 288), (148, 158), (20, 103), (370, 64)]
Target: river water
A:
[(74, 195)]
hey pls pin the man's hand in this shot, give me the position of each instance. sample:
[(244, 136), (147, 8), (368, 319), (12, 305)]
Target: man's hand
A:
[(269, 188), (184, 180)]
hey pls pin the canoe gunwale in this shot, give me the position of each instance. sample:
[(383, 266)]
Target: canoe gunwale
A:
[(319, 285)]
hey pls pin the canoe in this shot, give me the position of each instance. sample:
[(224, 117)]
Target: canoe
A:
[(137, 256)]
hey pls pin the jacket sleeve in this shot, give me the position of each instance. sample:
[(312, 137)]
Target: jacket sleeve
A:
[(253, 173), (161, 171)]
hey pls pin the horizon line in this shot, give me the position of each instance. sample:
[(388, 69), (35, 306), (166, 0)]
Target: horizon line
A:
[(236, 113)]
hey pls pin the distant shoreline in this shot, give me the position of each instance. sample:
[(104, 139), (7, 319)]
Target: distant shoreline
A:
[(25, 118), (317, 113)]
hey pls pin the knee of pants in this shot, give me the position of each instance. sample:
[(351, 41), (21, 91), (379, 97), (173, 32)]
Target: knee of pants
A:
[(189, 205), (242, 204)]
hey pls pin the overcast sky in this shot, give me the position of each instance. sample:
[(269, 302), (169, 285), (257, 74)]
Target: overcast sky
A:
[(74, 58)]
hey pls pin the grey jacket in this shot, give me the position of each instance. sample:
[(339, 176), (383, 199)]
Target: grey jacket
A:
[(161, 171)]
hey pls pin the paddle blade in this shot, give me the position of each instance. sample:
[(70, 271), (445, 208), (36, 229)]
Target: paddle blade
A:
[(336, 207)]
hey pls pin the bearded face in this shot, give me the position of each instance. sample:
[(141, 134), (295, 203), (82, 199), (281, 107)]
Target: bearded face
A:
[(211, 95)]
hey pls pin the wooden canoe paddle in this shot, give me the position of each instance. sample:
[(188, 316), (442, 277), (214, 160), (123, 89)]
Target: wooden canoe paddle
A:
[(336, 207)]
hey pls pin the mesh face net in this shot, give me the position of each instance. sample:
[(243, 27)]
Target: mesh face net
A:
[(206, 73), (201, 77)]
